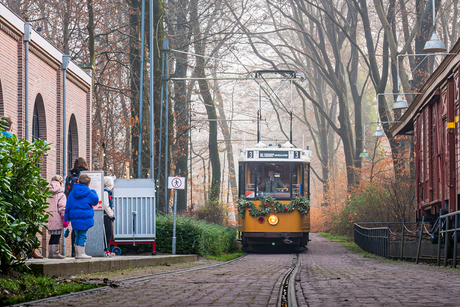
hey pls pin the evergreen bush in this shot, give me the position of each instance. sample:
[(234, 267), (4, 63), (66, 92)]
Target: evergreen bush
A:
[(194, 236), (23, 198)]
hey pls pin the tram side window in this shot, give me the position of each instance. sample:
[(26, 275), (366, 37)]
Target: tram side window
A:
[(297, 187), (241, 190), (249, 178), (306, 180)]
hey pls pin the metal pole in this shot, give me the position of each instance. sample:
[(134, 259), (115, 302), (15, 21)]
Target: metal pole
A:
[(152, 68), (454, 263), (141, 96), (446, 242), (290, 136), (401, 254), (64, 65), (420, 240), (26, 39), (259, 117), (388, 241), (439, 238), (64, 124), (165, 45), (174, 225), (166, 124), (26, 88)]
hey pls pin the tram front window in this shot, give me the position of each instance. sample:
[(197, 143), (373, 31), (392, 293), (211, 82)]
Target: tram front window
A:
[(274, 179)]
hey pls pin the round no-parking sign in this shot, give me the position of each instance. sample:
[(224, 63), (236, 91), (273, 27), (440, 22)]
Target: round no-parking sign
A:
[(177, 183)]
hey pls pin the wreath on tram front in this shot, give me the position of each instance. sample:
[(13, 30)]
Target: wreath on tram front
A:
[(301, 204), (243, 204)]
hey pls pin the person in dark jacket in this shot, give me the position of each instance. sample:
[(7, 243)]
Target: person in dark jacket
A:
[(78, 166), (79, 211)]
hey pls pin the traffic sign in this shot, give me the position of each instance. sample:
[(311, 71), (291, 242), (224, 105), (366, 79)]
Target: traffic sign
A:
[(176, 183)]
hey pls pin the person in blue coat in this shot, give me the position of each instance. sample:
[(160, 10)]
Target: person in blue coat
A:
[(79, 211)]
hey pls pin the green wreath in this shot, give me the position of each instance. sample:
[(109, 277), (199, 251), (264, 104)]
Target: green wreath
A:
[(263, 210), (301, 204), (243, 203), (279, 207)]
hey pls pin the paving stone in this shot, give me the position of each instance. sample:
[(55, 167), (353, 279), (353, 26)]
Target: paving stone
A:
[(332, 276)]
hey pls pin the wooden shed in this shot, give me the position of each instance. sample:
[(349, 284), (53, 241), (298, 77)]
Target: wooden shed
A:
[(433, 119)]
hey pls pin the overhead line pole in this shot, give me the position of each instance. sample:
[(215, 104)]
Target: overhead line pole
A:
[(141, 98), (152, 68)]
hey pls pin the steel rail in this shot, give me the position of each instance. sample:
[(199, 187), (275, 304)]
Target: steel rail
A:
[(287, 296)]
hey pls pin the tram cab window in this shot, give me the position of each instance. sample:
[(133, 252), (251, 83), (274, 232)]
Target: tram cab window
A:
[(306, 182), (279, 180), (249, 180)]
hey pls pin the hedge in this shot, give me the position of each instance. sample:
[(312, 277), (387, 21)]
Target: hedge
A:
[(194, 236)]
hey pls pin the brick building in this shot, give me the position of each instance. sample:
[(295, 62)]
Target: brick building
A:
[(45, 91), (45, 96)]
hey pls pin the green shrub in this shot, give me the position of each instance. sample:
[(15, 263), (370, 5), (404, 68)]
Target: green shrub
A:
[(194, 237), (23, 199)]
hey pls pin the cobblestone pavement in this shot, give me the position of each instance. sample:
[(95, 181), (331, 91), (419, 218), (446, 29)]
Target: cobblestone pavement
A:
[(332, 276), (251, 281)]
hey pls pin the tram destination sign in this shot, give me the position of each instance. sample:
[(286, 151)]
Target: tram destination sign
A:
[(274, 154)]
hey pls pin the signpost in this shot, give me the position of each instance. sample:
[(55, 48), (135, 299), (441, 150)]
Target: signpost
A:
[(176, 183)]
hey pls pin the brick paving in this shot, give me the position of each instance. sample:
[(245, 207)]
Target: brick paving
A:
[(332, 276), (251, 281)]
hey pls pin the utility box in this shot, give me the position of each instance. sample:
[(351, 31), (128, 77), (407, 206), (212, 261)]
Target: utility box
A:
[(134, 206)]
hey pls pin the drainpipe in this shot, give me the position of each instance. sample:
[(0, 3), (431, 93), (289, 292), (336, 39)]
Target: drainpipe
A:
[(26, 38), (64, 65)]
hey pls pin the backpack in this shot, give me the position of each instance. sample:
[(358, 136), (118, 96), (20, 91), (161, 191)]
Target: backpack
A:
[(110, 198), (70, 180)]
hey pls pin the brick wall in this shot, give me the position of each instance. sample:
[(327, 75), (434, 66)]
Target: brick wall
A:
[(45, 89)]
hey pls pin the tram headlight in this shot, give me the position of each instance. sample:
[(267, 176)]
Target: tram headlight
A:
[(273, 220)]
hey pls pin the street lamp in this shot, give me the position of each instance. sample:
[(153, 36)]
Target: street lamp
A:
[(378, 131), (364, 154), (400, 103), (434, 44)]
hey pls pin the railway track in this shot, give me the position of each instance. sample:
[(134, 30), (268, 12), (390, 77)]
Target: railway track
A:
[(130, 280), (287, 295)]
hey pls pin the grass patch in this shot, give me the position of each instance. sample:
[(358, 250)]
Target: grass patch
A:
[(348, 243), (26, 287), (226, 257)]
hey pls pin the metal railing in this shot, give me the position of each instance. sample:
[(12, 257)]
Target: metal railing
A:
[(373, 240), (375, 237), (448, 230)]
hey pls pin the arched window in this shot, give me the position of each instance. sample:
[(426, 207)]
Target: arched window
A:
[(39, 120), (39, 129), (72, 142)]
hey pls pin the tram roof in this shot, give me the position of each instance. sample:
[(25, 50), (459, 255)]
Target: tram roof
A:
[(278, 153)]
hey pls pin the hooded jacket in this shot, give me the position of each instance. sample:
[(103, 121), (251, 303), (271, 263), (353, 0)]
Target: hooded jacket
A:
[(56, 207), (108, 203), (79, 209)]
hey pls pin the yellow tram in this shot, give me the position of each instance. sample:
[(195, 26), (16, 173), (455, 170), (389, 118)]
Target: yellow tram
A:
[(274, 203)]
